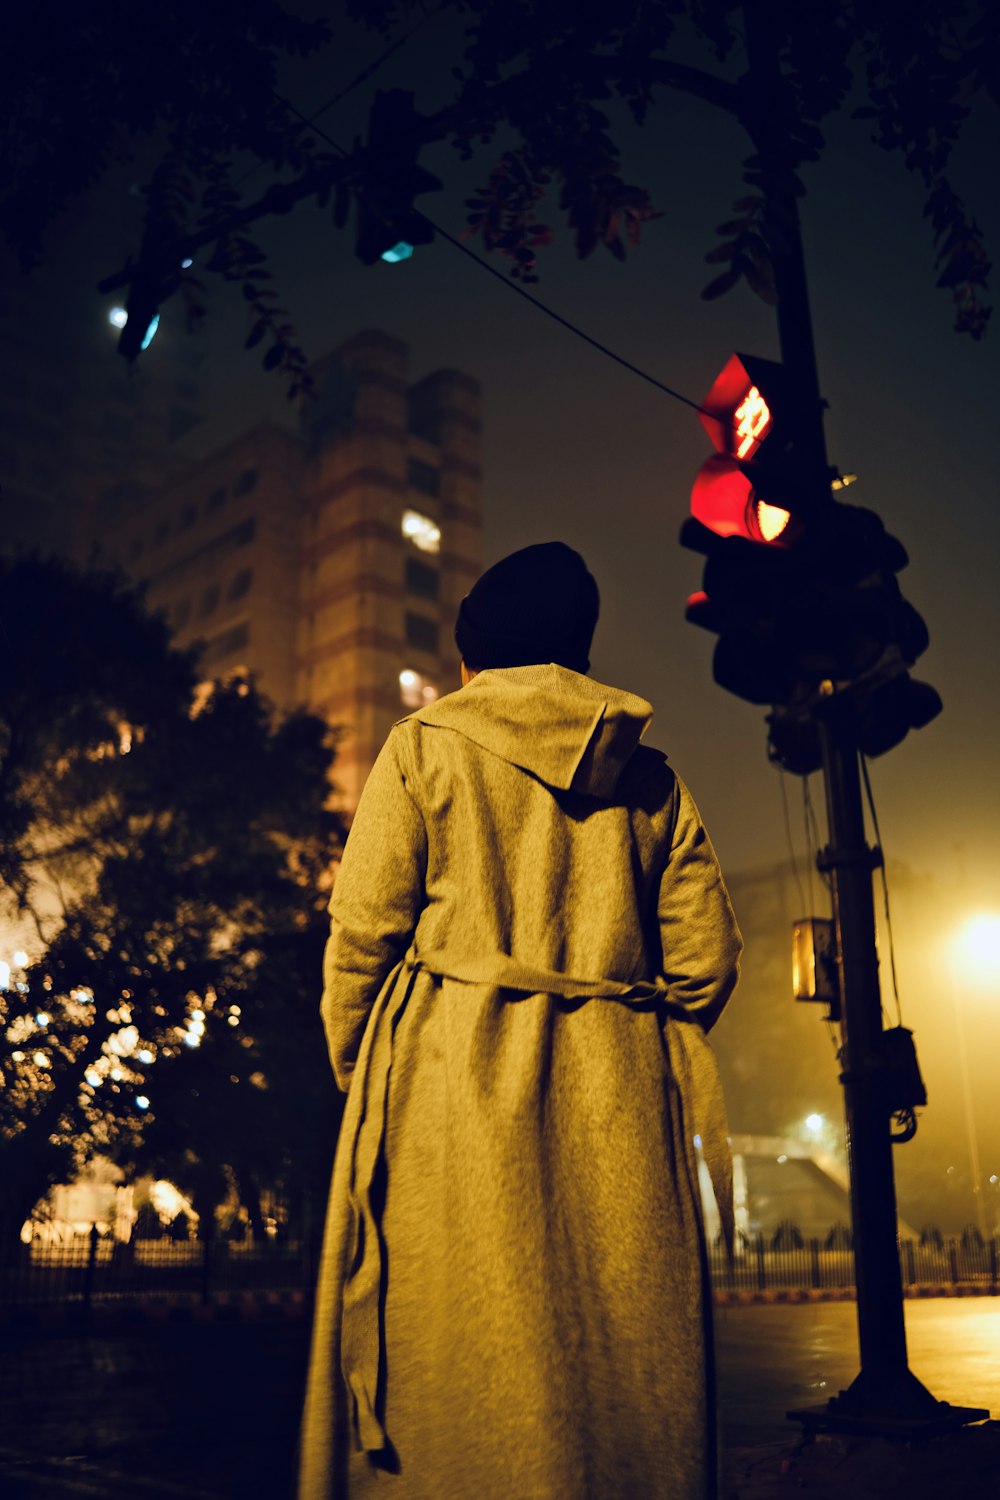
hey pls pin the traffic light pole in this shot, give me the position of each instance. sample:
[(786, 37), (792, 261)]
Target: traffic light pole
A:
[(885, 1397)]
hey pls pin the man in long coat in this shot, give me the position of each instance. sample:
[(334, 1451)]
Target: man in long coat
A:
[(530, 937)]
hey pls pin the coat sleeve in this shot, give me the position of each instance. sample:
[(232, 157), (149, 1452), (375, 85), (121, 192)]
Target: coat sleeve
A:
[(700, 939), (377, 898)]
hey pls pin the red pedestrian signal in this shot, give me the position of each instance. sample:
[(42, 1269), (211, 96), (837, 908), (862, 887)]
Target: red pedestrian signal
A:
[(748, 488), (800, 588)]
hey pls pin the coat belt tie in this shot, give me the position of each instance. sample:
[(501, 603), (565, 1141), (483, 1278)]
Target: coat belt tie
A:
[(692, 1063)]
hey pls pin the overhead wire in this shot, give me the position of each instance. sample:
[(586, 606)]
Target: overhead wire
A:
[(512, 286), (362, 77), (866, 779), (791, 845)]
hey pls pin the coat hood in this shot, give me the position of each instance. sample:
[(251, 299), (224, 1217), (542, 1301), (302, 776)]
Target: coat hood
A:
[(574, 734)]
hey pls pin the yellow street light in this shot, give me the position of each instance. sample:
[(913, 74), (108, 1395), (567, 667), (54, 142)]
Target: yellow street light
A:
[(976, 948), (975, 959)]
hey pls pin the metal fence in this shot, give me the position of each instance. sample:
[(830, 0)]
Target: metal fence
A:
[(92, 1267), (89, 1268), (787, 1261)]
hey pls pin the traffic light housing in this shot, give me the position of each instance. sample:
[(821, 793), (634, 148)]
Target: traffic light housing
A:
[(800, 588), (153, 282), (388, 224)]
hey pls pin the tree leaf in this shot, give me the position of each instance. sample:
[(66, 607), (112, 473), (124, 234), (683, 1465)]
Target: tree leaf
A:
[(256, 333), (722, 253), (720, 286)]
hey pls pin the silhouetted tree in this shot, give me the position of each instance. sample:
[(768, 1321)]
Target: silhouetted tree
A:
[(544, 77), (151, 853)]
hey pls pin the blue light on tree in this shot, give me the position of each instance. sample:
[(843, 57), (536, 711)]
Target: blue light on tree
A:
[(400, 251)]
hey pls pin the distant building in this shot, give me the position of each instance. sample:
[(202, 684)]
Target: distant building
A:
[(330, 561)]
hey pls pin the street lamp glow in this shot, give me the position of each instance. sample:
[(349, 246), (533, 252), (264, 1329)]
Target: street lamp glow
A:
[(21, 958), (814, 1123), (118, 317), (977, 947)]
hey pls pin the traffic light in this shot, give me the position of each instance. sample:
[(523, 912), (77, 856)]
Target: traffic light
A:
[(746, 487), (800, 588), (750, 509), (388, 225), (148, 290)]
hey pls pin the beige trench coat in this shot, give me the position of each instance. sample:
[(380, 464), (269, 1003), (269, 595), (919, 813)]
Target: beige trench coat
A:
[(530, 937)]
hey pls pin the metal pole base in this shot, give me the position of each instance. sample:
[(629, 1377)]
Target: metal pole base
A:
[(897, 1407)]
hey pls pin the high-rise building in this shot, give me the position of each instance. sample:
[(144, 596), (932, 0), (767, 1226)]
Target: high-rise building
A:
[(329, 562)]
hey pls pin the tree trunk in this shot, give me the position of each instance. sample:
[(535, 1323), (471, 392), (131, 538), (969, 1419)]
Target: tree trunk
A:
[(249, 1192)]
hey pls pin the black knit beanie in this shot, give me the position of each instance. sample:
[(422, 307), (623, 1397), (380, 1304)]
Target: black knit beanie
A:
[(537, 605)]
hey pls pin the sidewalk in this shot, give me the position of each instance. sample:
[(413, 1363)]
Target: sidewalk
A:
[(208, 1410)]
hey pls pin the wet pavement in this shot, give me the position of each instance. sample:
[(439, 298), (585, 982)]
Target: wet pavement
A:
[(210, 1411), (776, 1359)]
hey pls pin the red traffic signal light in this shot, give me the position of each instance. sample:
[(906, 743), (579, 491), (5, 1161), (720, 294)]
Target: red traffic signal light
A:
[(800, 588), (752, 486)]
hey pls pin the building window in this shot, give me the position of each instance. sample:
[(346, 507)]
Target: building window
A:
[(246, 482), (422, 580), (188, 517), (419, 529), (182, 420), (422, 633), (242, 534), (415, 689), (240, 585), (216, 499), (161, 533), (423, 476), (209, 600), (225, 644)]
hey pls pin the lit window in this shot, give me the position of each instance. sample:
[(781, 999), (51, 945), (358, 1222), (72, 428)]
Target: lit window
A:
[(421, 531), (415, 690)]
